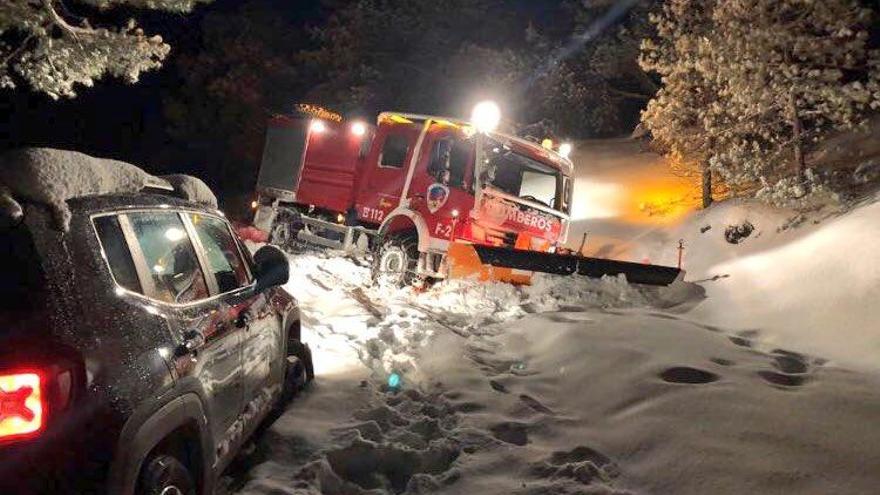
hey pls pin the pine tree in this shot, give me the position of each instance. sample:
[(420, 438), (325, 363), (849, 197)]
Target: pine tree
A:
[(51, 53), (687, 105), (748, 85), (791, 70)]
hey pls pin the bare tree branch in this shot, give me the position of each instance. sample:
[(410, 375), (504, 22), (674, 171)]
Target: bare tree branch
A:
[(60, 22), (629, 94)]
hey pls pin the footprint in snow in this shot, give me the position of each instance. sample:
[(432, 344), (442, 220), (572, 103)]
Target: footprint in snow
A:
[(740, 341), (781, 380), (511, 432), (535, 404), (582, 464), (498, 387), (687, 375), (722, 361), (790, 364)]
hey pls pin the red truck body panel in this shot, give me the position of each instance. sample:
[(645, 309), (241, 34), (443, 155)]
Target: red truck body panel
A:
[(330, 168), (386, 171)]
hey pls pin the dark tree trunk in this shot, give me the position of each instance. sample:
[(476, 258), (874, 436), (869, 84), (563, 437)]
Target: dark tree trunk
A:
[(706, 184), (797, 133)]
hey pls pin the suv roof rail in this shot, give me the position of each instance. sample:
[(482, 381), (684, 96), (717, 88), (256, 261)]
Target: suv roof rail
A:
[(159, 184)]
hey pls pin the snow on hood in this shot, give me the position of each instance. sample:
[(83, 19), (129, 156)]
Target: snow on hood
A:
[(51, 177)]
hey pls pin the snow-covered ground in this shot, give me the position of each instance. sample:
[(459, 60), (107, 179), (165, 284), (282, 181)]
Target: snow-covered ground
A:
[(757, 375), (568, 386)]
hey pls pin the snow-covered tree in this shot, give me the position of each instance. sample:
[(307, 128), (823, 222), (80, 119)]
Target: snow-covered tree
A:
[(46, 46), (749, 84), (791, 70), (687, 105)]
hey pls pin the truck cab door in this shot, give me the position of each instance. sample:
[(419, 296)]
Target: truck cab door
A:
[(385, 171), (443, 183)]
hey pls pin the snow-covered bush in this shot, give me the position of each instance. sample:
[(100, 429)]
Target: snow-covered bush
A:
[(735, 234)]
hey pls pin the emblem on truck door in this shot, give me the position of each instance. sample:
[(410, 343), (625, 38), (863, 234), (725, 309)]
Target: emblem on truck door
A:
[(437, 196)]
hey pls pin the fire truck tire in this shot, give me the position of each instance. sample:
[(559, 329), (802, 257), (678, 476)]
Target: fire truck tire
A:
[(396, 259), (284, 229)]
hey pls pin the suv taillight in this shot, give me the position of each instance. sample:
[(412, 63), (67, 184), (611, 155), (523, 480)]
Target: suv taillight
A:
[(22, 405)]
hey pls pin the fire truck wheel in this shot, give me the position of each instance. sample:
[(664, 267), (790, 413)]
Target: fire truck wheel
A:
[(284, 229), (280, 235), (395, 261)]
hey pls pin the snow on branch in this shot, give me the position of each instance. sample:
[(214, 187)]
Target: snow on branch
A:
[(42, 49)]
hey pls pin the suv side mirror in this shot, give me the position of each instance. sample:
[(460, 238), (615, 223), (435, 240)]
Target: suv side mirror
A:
[(272, 268)]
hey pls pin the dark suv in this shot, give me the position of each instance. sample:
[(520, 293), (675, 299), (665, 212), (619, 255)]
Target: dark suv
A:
[(139, 349)]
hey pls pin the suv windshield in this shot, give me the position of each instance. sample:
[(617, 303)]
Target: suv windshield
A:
[(520, 175)]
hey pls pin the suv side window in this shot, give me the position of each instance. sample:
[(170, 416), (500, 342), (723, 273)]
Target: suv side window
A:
[(221, 250), (117, 253), (169, 255), (394, 151)]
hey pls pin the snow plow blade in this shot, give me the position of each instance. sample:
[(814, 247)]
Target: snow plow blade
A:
[(516, 265)]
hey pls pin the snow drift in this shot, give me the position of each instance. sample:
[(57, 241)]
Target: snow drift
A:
[(807, 281)]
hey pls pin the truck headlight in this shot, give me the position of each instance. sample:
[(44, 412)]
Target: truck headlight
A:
[(486, 116)]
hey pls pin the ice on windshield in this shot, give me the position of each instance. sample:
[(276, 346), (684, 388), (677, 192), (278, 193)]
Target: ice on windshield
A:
[(521, 176)]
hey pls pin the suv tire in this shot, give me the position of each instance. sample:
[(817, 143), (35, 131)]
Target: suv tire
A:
[(164, 474), (304, 353)]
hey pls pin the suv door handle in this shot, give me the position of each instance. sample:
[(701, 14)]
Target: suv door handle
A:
[(192, 341)]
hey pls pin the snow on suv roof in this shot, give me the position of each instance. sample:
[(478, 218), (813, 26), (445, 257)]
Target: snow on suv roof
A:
[(51, 177)]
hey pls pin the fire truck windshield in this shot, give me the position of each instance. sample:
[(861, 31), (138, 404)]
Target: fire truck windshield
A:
[(521, 176)]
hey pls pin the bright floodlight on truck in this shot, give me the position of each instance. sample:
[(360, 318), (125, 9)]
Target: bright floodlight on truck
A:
[(318, 126), (358, 128), (565, 149), (486, 116)]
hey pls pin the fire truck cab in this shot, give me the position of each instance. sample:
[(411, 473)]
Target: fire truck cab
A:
[(414, 186)]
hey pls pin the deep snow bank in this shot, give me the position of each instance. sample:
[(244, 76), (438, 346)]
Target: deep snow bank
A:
[(806, 281)]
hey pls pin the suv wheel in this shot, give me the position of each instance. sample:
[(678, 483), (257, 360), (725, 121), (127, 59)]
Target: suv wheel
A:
[(396, 261), (163, 474), (300, 371), (302, 352)]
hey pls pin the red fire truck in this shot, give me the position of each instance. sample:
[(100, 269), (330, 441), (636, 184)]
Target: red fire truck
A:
[(431, 197)]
